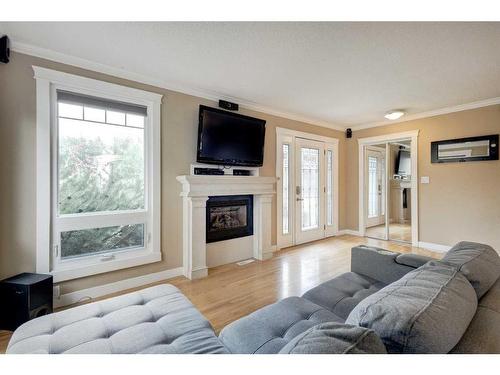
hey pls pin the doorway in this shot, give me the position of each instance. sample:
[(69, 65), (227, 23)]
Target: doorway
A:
[(307, 188), (388, 187)]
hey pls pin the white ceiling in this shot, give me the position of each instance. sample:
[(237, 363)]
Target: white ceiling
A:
[(336, 73)]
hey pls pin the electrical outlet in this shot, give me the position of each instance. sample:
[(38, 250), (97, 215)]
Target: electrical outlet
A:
[(56, 292), (424, 180)]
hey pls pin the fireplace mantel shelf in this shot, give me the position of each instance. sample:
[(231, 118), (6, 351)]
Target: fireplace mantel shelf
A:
[(204, 186), (195, 193)]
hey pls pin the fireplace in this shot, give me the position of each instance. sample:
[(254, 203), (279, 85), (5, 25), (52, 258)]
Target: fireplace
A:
[(228, 217)]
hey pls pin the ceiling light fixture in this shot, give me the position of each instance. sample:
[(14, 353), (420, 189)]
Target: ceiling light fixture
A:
[(394, 114)]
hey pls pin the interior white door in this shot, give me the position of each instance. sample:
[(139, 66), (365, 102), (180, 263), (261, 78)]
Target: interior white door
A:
[(375, 187), (309, 190)]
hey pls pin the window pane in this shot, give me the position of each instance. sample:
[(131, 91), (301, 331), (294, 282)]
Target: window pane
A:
[(94, 114), (286, 196), (117, 118), (310, 188), (329, 187), (94, 241), (70, 110), (135, 120), (373, 202), (100, 167)]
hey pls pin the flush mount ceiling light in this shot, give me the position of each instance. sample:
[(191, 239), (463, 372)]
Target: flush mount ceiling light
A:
[(394, 114)]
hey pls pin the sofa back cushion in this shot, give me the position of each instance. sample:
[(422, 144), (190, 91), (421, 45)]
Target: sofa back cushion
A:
[(426, 311), (335, 338), (479, 263), (483, 334)]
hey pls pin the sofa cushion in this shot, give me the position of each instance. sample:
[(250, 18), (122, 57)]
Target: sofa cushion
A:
[(269, 329), (341, 294), (479, 263), (335, 338), (483, 334), (154, 320), (426, 311)]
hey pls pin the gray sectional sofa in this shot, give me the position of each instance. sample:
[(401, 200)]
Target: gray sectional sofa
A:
[(388, 303)]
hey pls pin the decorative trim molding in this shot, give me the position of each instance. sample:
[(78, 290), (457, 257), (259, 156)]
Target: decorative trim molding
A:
[(47, 54), (118, 286), (435, 112), (299, 134), (434, 246)]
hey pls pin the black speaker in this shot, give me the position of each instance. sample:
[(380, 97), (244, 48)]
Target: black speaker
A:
[(24, 297), (228, 105), (4, 49), (348, 133)]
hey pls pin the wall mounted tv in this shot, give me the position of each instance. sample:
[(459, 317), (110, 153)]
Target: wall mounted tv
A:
[(227, 138)]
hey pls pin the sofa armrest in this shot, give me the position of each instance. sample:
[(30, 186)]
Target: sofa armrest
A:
[(412, 260), (378, 264)]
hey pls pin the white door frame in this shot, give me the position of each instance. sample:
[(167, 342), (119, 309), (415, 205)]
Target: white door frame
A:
[(394, 137), (288, 136)]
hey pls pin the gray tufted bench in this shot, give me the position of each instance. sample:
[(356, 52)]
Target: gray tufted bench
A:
[(154, 320)]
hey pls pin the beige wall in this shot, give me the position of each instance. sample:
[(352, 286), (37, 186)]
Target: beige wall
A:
[(462, 201), (179, 134)]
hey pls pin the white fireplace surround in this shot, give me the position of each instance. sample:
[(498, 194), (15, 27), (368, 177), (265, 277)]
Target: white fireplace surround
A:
[(195, 193)]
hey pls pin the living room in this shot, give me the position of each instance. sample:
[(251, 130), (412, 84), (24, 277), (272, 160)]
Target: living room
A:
[(250, 187)]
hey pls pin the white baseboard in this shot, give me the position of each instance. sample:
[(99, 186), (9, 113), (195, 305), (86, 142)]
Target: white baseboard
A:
[(349, 232), (102, 290), (434, 246)]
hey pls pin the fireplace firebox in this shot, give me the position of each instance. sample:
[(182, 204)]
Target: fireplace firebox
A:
[(228, 217)]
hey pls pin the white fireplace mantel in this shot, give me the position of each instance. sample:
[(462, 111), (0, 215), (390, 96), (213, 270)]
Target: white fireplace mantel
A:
[(195, 192)]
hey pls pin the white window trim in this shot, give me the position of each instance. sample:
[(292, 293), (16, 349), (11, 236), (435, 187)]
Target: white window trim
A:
[(288, 136), (46, 81)]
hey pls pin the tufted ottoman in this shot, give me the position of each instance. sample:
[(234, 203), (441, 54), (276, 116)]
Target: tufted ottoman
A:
[(154, 320)]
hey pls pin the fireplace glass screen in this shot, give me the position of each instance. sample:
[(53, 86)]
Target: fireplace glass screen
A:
[(229, 217)]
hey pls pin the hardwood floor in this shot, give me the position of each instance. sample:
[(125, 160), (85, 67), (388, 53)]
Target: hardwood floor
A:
[(231, 291)]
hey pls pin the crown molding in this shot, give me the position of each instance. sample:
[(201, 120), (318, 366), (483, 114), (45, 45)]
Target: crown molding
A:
[(28, 49), (435, 112), (47, 54)]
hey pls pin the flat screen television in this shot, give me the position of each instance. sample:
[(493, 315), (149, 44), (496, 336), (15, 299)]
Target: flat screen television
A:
[(227, 138), (403, 163)]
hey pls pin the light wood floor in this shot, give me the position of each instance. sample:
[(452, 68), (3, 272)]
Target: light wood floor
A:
[(397, 231), (231, 291)]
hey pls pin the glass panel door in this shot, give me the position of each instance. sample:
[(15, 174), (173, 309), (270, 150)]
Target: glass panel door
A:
[(310, 197)]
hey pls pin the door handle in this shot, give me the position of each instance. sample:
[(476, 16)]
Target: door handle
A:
[(300, 199)]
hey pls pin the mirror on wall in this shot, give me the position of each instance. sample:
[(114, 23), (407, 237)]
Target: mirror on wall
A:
[(465, 149), (387, 191), (399, 193)]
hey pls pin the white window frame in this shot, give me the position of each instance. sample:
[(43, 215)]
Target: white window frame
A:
[(47, 258)]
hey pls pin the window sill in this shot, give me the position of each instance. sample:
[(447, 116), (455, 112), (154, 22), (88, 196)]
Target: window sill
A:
[(75, 271)]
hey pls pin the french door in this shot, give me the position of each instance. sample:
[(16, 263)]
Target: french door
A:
[(375, 172), (307, 189)]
